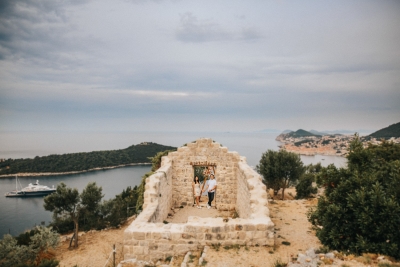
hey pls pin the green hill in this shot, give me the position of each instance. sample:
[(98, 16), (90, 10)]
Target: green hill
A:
[(388, 132), (84, 161), (301, 133)]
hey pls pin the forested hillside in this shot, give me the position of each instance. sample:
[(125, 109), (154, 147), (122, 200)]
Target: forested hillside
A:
[(84, 161), (388, 132)]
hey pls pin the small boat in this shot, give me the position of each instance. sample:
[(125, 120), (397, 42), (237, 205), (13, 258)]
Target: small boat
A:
[(32, 190)]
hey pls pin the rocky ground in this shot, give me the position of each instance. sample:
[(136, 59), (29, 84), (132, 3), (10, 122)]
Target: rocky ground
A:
[(294, 241)]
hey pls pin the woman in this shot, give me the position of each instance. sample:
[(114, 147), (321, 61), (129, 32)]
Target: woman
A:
[(196, 190)]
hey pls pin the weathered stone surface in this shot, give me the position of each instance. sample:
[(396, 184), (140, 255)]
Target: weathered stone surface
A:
[(239, 188)]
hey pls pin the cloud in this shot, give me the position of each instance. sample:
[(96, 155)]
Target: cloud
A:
[(192, 30), (37, 32), (260, 62), (198, 31)]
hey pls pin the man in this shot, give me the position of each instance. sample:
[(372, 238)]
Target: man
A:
[(212, 185)]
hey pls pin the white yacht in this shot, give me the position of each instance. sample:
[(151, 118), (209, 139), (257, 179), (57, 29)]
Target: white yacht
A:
[(31, 190)]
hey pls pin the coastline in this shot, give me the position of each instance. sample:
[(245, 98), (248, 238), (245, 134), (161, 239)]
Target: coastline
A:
[(39, 174), (312, 152)]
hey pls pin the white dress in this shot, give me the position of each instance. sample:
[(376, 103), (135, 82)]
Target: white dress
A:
[(197, 190)]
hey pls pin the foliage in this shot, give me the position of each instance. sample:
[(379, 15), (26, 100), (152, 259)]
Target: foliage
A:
[(156, 160), (65, 202), (84, 161), (91, 211), (280, 169), (140, 191), (360, 211), (304, 188), (388, 132), (90, 204), (12, 254), (301, 133), (117, 210), (279, 263)]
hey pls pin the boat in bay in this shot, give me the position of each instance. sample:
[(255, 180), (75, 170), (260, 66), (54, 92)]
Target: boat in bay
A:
[(32, 190)]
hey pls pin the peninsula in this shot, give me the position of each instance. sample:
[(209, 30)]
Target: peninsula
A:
[(81, 162), (312, 143)]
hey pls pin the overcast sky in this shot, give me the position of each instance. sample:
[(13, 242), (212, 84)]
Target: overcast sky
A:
[(136, 65)]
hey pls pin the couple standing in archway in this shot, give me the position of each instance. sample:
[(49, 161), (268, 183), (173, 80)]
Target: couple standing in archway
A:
[(208, 187)]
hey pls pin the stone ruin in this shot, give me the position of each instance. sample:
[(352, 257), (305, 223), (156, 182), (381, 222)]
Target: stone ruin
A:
[(240, 189)]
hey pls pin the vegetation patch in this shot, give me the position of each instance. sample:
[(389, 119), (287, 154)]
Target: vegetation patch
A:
[(216, 246), (141, 153), (279, 263), (360, 210)]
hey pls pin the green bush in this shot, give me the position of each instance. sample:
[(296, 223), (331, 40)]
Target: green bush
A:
[(304, 188), (360, 212), (28, 255)]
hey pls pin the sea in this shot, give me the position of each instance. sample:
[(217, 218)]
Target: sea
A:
[(20, 214)]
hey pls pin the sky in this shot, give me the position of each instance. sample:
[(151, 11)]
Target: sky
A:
[(174, 65)]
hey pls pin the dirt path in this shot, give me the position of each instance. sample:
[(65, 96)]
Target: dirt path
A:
[(292, 228), (293, 235), (95, 247), (290, 221)]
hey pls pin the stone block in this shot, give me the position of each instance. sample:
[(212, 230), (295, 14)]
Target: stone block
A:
[(131, 242), (166, 235), (176, 236), (249, 235), (260, 234), (186, 236), (216, 229), (233, 235), (190, 229), (143, 243), (165, 247), (261, 227), (242, 235), (200, 236), (249, 227), (139, 235), (137, 250), (238, 227), (220, 236), (153, 246)]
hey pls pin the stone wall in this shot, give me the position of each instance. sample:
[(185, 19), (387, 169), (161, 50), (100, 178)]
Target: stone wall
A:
[(204, 152), (239, 188)]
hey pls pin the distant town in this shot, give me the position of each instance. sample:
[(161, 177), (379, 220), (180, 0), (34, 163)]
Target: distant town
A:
[(311, 143)]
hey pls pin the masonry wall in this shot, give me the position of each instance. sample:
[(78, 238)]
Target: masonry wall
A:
[(203, 152), (239, 187), (158, 194), (155, 241)]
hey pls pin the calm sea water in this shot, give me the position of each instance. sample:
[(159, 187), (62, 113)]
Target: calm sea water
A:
[(19, 214)]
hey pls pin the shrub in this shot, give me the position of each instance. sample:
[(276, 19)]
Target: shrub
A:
[(360, 211), (279, 263), (304, 188)]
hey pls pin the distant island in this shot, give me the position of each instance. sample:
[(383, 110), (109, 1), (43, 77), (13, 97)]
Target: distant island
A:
[(81, 162), (313, 142)]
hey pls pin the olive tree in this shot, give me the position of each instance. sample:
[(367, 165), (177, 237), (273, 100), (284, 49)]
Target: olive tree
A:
[(280, 169), (68, 202), (360, 212)]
